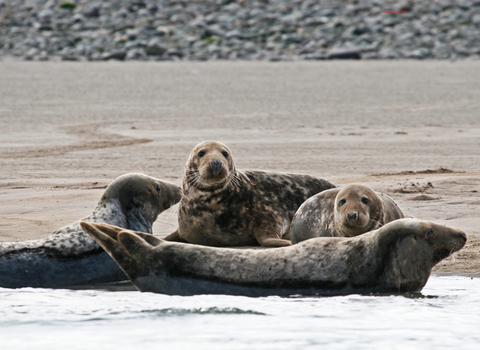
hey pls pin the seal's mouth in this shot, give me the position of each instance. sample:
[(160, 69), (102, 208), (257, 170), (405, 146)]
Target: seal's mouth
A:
[(215, 173), (356, 221), (208, 181)]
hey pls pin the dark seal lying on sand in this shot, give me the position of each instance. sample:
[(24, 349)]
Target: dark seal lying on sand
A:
[(395, 258), (343, 212), (222, 206), (69, 257)]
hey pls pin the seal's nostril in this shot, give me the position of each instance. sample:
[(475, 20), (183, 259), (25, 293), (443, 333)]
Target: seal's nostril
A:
[(464, 234), (352, 216), (216, 164)]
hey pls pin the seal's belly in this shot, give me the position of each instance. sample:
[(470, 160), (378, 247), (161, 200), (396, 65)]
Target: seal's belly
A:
[(215, 230)]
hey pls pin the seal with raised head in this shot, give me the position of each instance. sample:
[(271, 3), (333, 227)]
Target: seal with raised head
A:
[(395, 258), (69, 257), (223, 206), (343, 212)]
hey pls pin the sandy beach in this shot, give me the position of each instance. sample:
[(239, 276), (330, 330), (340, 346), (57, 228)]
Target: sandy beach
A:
[(410, 129)]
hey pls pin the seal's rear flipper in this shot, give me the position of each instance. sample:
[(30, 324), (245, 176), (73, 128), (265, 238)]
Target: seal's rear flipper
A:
[(137, 247), (108, 237)]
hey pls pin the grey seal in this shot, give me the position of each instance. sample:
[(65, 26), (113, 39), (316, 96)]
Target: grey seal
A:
[(223, 206), (395, 258), (343, 212), (68, 256)]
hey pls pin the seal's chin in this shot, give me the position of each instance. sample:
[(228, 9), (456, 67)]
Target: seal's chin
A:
[(441, 254), (210, 179), (212, 183)]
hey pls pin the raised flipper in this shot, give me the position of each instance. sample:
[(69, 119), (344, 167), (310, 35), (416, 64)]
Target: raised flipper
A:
[(114, 240)]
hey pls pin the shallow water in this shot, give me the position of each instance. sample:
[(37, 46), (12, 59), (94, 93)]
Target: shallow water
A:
[(446, 315)]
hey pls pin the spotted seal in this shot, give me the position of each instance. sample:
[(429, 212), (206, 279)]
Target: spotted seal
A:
[(70, 257), (343, 212), (398, 257), (223, 206)]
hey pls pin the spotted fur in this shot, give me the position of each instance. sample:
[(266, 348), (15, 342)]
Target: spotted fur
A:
[(69, 256), (346, 212), (223, 206), (398, 257)]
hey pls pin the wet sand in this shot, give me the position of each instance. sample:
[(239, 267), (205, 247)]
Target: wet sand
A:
[(410, 129)]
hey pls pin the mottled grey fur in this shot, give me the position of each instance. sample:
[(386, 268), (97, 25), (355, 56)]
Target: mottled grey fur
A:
[(70, 257), (395, 258), (343, 212), (223, 206)]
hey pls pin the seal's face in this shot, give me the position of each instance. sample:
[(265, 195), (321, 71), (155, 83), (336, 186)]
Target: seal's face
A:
[(443, 240), (209, 167), (142, 198), (357, 210)]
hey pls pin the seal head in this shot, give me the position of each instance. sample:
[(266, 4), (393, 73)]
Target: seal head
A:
[(140, 198), (209, 167), (358, 209)]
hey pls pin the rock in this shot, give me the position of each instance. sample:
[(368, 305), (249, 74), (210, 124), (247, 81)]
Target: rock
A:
[(315, 57), (228, 29), (155, 47), (69, 57), (115, 55), (45, 16), (418, 54), (93, 11), (344, 55), (136, 54), (387, 53)]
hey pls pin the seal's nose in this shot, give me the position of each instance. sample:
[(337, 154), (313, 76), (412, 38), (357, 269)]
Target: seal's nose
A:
[(352, 216), (216, 165), (464, 235)]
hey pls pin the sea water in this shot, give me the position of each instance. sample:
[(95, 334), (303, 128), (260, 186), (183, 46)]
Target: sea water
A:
[(445, 315)]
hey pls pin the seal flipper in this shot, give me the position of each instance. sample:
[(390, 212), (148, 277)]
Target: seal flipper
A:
[(135, 246), (113, 232), (107, 236)]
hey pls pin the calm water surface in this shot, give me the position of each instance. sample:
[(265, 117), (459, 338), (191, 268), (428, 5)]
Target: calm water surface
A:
[(446, 315)]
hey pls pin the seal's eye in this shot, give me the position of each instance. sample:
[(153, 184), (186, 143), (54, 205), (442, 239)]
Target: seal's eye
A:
[(365, 200), (225, 154), (201, 153), (429, 233), (342, 202), (158, 188)]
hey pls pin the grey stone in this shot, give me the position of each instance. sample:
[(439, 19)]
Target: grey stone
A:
[(315, 56), (136, 54), (344, 54), (418, 54), (115, 55), (69, 58), (234, 34), (476, 19), (155, 47), (45, 16), (228, 29)]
